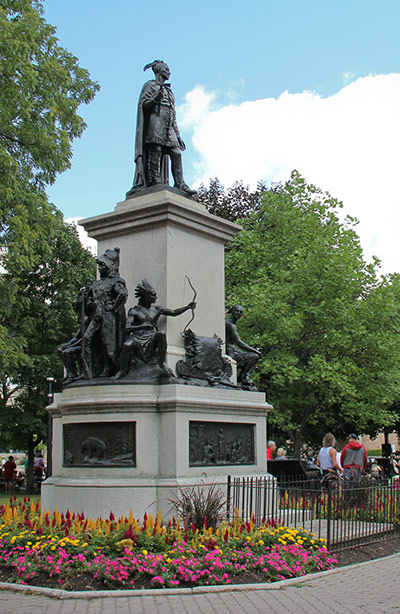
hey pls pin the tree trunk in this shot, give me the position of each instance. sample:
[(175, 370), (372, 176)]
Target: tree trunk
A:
[(296, 437)]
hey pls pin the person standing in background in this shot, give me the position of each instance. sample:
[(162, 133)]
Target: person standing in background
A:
[(326, 460), (9, 471), (354, 458), (271, 447)]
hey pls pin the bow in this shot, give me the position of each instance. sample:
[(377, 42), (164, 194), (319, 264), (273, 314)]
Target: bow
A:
[(193, 300)]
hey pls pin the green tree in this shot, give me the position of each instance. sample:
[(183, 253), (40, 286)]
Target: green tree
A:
[(42, 263), (237, 201), (41, 320), (327, 325), (41, 89)]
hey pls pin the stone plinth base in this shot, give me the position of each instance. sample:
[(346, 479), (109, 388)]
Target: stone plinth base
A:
[(125, 446)]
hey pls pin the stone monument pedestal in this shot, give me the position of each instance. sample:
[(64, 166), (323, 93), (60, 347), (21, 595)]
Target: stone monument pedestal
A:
[(131, 446), (119, 445)]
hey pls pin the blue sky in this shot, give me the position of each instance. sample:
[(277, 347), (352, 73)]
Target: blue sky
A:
[(306, 84)]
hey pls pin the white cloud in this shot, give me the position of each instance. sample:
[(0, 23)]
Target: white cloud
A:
[(90, 244), (347, 76), (197, 105), (346, 143)]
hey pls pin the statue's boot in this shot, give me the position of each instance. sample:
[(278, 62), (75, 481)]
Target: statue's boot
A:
[(154, 167), (177, 172), (185, 188)]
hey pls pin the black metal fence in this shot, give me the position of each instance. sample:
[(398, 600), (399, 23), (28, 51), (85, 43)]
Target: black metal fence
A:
[(344, 513)]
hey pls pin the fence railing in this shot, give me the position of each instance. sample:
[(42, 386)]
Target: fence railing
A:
[(345, 514)]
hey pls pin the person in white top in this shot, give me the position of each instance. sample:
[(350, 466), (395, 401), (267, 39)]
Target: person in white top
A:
[(327, 455)]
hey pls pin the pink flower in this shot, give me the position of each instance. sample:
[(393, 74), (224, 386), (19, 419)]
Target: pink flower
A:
[(158, 579)]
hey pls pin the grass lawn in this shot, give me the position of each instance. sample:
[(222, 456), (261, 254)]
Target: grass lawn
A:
[(5, 496)]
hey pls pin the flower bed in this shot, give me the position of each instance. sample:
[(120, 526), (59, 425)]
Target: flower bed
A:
[(70, 551)]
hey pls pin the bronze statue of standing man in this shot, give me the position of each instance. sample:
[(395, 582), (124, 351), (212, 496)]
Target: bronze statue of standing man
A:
[(157, 135)]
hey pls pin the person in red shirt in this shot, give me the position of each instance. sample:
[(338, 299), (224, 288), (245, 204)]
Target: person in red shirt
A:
[(353, 459), (9, 470), (271, 447)]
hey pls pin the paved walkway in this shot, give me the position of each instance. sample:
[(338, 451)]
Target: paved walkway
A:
[(371, 588)]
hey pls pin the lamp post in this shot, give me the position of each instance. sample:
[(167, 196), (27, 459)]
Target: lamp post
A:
[(50, 398)]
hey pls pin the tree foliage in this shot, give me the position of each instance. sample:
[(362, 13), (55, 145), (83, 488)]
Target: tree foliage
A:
[(327, 325), (42, 263), (41, 89), (237, 201), (41, 319)]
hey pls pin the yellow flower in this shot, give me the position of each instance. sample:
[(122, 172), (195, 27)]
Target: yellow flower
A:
[(145, 552), (121, 545)]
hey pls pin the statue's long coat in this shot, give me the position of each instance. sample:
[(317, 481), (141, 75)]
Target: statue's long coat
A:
[(156, 123)]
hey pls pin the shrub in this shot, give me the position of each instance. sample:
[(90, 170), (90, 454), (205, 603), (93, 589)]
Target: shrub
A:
[(199, 505)]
